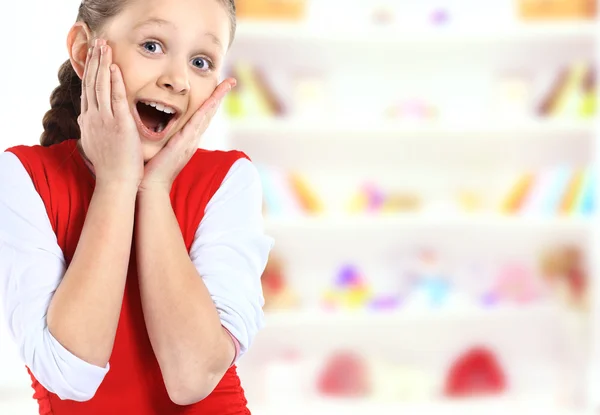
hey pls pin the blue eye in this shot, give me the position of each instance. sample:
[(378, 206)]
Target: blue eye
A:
[(201, 63), (152, 47)]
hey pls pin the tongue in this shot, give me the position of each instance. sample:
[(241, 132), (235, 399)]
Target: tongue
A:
[(153, 119)]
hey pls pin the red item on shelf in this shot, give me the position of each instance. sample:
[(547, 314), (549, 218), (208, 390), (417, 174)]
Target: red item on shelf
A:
[(345, 375), (475, 373)]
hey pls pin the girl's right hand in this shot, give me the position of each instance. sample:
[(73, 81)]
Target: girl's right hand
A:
[(109, 136)]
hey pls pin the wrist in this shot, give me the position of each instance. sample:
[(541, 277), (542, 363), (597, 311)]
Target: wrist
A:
[(154, 188), (124, 187)]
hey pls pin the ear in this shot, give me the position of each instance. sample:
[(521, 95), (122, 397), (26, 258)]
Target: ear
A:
[(78, 41)]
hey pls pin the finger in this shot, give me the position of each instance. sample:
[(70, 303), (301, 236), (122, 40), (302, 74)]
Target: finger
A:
[(84, 103), (91, 77), (118, 92), (219, 93), (103, 81)]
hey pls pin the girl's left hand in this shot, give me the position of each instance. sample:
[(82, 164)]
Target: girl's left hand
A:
[(160, 172)]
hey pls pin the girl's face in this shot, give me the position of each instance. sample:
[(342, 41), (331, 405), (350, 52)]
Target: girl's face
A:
[(170, 53)]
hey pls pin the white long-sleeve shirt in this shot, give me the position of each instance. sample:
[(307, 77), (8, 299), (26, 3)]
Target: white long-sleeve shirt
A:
[(230, 251)]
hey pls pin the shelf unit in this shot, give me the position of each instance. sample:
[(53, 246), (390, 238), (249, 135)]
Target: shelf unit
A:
[(300, 237)]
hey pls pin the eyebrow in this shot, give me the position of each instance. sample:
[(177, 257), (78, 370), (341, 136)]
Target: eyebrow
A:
[(163, 22)]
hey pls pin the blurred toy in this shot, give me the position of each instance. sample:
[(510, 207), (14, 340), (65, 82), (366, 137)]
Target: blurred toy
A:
[(556, 9), (306, 196), (512, 95), (401, 202), (563, 269), (571, 93), (470, 201), (289, 10), (440, 16), (515, 199), (561, 190), (253, 97), (398, 383), (384, 302), (370, 198), (516, 283), (573, 189), (411, 109), (345, 375), (276, 292), (432, 287), (350, 290), (475, 373)]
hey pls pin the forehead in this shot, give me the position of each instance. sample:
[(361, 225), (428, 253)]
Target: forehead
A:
[(193, 19)]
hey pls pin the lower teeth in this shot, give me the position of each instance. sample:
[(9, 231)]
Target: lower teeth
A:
[(159, 128)]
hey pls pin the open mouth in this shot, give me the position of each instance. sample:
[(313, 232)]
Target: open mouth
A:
[(156, 118)]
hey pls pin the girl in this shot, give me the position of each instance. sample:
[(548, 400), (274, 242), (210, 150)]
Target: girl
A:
[(130, 261)]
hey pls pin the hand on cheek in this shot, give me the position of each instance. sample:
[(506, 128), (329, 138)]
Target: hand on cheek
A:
[(163, 168)]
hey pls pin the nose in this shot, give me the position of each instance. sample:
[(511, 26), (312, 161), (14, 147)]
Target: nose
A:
[(175, 80)]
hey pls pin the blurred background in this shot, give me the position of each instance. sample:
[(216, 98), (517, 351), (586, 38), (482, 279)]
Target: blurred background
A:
[(429, 176)]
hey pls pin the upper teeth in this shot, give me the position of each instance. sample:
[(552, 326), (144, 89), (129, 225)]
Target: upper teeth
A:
[(161, 107)]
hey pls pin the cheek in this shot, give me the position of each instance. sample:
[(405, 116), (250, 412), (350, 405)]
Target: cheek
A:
[(201, 91), (126, 62)]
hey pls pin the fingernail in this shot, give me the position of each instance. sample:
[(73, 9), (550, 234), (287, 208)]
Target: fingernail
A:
[(97, 42), (102, 49), (90, 50)]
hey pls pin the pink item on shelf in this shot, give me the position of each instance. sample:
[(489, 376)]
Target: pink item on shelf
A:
[(515, 282), (345, 375)]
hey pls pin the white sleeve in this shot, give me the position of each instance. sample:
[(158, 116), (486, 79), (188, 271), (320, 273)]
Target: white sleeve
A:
[(230, 252), (31, 268)]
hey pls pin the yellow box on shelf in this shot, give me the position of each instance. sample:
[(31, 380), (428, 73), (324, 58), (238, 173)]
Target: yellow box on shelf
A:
[(556, 9), (289, 10)]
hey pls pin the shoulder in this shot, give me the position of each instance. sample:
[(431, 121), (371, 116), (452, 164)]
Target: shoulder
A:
[(217, 159), (31, 156), (12, 171), (210, 165)]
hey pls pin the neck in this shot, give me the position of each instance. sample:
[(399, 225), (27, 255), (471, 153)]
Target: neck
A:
[(87, 161)]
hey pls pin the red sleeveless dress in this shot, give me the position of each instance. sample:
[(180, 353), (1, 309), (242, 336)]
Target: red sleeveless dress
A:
[(134, 384)]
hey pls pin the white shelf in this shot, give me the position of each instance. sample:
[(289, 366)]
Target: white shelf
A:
[(301, 32), (317, 318), (395, 222), (490, 406), (281, 128)]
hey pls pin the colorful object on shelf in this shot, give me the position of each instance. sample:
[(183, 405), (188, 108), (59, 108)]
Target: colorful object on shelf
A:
[(476, 373), (556, 9), (431, 284), (517, 195), (561, 190), (284, 10), (563, 270), (571, 94), (384, 303), (411, 109), (277, 293), (252, 97), (287, 194), (350, 290), (391, 382), (305, 194), (371, 198), (344, 375), (440, 16), (516, 283)]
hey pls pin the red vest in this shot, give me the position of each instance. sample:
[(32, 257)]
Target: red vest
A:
[(134, 383)]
